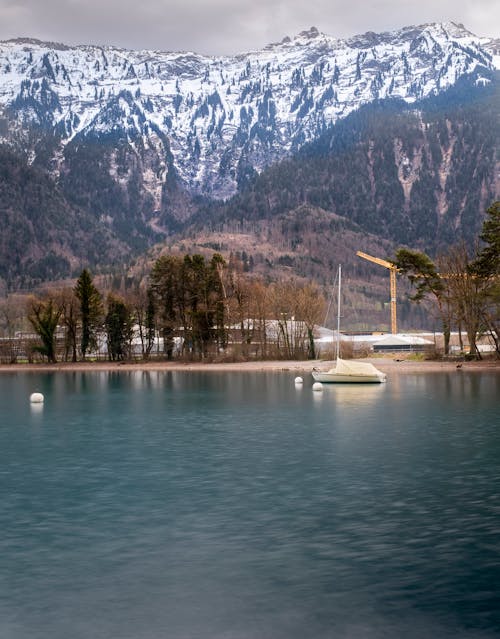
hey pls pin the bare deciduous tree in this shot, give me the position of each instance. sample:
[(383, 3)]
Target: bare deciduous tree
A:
[(44, 316)]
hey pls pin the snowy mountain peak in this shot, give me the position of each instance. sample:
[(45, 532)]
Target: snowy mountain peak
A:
[(215, 117)]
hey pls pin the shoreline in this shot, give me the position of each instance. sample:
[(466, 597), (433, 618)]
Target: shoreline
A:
[(387, 365)]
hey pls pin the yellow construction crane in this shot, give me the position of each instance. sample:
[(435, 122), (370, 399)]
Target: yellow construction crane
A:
[(392, 271)]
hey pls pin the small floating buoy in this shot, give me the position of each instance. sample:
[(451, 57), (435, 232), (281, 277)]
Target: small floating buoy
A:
[(317, 386), (299, 380), (36, 398)]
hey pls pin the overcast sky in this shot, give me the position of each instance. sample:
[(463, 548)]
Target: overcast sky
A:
[(227, 26)]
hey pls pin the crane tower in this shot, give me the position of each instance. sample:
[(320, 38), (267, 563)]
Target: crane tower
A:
[(392, 272)]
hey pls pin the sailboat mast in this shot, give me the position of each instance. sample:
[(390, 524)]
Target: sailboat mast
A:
[(338, 313)]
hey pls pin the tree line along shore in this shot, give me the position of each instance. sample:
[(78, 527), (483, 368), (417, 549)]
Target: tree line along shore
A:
[(195, 309)]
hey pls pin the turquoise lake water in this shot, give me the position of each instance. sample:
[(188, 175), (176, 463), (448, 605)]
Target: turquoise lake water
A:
[(183, 505)]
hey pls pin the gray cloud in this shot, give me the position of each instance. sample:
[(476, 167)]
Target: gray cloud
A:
[(226, 26)]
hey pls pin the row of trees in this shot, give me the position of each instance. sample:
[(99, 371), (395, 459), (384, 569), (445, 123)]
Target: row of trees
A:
[(189, 307), (464, 285), (212, 303), (194, 307)]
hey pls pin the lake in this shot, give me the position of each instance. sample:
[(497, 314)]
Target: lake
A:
[(185, 505)]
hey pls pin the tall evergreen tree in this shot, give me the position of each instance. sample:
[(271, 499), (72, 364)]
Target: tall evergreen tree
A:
[(166, 282), (487, 262), (91, 311), (118, 322), (487, 265), (423, 274)]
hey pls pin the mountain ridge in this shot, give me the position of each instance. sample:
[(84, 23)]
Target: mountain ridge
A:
[(142, 144), (223, 113), (311, 32)]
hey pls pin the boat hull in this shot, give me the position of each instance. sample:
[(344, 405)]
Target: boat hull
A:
[(342, 378)]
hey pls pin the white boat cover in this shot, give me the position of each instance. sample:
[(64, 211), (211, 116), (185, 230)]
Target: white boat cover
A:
[(352, 367)]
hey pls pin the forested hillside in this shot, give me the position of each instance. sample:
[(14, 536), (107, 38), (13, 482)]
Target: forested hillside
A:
[(43, 237), (414, 176)]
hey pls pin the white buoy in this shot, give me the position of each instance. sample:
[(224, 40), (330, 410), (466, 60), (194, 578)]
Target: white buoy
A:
[(299, 380), (317, 386), (36, 398)]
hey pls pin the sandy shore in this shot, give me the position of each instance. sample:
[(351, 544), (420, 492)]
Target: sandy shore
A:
[(385, 364)]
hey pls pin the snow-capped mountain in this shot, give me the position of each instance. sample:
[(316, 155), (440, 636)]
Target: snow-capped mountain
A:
[(208, 120)]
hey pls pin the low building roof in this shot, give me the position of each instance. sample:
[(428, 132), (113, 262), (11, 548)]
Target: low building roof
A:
[(402, 340)]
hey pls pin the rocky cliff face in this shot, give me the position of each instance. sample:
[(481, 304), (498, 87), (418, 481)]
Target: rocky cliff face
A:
[(209, 119)]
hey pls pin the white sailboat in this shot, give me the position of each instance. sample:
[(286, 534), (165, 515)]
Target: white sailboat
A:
[(348, 371)]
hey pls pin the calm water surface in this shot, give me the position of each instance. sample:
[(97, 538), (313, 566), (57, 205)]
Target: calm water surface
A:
[(182, 505)]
